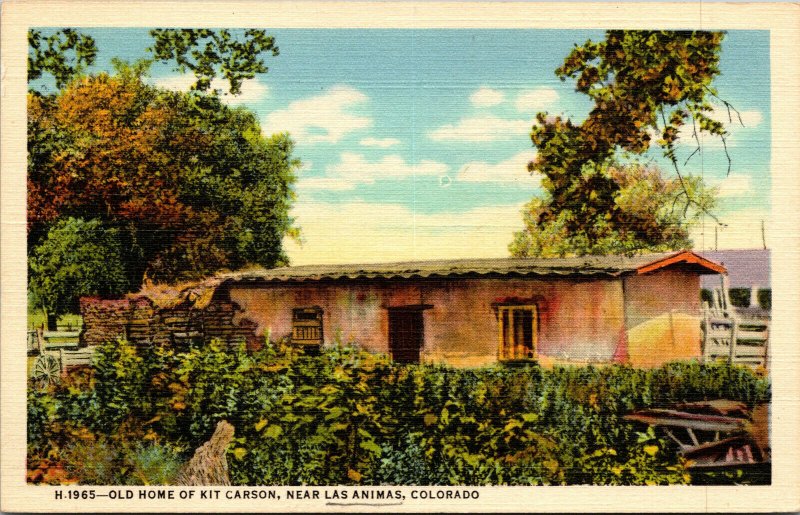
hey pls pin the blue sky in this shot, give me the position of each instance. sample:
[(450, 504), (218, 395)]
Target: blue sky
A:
[(414, 142)]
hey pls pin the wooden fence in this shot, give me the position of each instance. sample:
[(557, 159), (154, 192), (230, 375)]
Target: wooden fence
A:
[(737, 336), (742, 341)]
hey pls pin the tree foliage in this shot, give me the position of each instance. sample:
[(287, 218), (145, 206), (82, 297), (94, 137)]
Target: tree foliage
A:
[(233, 55), (644, 85), (208, 53), (76, 258), (191, 185), (646, 217), (62, 54)]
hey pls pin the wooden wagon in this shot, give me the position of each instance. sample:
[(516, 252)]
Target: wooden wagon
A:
[(55, 352), (714, 434)]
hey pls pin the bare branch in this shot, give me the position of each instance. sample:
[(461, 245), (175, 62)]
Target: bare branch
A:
[(727, 155), (695, 151), (696, 138), (727, 104)]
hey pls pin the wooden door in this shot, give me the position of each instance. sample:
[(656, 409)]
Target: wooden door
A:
[(405, 335)]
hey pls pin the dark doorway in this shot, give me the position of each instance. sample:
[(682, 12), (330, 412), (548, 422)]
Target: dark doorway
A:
[(405, 334)]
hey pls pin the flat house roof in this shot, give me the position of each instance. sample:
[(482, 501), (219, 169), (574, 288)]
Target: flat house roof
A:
[(609, 266)]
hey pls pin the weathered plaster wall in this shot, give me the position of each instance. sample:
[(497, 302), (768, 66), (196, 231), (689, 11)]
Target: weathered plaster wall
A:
[(580, 320), (662, 313)]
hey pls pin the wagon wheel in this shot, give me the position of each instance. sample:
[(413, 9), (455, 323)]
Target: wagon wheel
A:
[(46, 371), (695, 438)]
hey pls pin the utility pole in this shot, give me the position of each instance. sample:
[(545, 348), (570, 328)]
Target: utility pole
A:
[(763, 236), (716, 228)]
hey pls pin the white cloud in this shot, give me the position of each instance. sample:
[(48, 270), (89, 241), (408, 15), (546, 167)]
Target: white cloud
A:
[(735, 185), (252, 90), (175, 82), (324, 183), (379, 142), (488, 128), (305, 166), (511, 171), (360, 232), (742, 230), (536, 100), (322, 118), (353, 169), (487, 97), (749, 120)]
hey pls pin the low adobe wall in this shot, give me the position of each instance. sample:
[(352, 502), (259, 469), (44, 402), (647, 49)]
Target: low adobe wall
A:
[(140, 321), (662, 318), (579, 318)]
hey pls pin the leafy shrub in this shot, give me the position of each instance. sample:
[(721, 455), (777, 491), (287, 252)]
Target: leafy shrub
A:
[(153, 464), (40, 409), (347, 416), (765, 298), (325, 424), (102, 461), (93, 461)]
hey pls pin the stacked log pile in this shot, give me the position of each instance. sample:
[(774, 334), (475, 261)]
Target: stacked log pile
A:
[(140, 321), (103, 320), (219, 323)]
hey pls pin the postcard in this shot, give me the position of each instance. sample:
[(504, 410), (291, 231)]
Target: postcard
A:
[(399, 256)]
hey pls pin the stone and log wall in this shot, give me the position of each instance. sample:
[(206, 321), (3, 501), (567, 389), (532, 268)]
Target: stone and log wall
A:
[(140, 321)]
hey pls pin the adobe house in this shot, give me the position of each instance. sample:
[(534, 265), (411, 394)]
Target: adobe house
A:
[(643, 310)]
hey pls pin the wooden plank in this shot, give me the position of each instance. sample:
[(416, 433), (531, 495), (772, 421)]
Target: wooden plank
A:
[(733, 341), (753, 335), (672, 418), (71, 358), (186, 335), (61, 334), (743, 351)]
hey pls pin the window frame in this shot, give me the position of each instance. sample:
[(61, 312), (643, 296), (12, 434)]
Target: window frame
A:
[(511, 350), (316, 323)]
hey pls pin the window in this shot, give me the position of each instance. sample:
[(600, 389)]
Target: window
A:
[(307, 326), (518, 332)]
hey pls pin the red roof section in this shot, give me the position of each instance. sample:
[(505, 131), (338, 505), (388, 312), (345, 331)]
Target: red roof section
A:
[(686, 260)]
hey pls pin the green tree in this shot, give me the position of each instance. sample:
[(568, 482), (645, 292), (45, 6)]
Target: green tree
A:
[(642, 83), (77, 258), (647, 219), (191, 184), (63, 54), (234, 55), (208, 53)]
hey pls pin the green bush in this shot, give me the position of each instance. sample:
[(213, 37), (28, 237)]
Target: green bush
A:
[(347, 416), (40, 412), (105, 461), (765, 298), (740, 297)]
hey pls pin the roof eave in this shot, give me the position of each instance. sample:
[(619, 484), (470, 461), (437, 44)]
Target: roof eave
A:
[(686, 257)]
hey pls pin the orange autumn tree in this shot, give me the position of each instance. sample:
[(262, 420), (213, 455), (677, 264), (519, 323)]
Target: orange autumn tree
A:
[(188, 184)]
